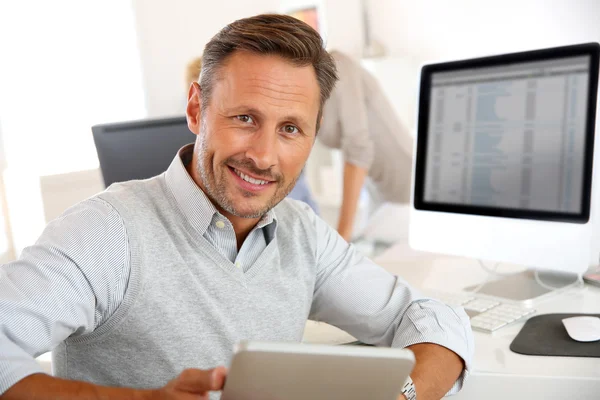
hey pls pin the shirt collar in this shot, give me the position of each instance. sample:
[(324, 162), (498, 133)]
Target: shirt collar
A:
[(191, 200)]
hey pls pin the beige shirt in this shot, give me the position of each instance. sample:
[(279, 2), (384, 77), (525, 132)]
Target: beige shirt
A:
[(359, 120)]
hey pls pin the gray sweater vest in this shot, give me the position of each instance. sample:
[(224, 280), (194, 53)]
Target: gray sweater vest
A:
[(186, 305)]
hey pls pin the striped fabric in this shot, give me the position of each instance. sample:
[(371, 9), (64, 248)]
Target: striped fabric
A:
[(75, 276), (215, 228)]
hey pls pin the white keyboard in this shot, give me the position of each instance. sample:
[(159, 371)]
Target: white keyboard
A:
[(487, 315)]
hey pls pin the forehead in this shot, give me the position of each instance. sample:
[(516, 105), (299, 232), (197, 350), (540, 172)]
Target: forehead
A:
[(267, 80)]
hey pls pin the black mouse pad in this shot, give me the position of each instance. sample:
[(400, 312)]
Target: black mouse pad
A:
[(545, 335)]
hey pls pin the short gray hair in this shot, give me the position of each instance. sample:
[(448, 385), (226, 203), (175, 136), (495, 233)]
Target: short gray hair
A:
[(268, 34)]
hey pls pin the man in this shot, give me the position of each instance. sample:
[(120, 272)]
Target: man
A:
[(301, 190), (143, 289)]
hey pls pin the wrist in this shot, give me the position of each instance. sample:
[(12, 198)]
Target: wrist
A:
[(345, 233), (408, 390)]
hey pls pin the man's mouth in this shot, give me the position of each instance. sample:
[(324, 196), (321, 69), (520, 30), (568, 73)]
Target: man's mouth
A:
[(249, 179)]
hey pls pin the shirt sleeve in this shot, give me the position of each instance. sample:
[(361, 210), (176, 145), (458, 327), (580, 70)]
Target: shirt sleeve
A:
[(68, 283), (356, 143), (376, 307)]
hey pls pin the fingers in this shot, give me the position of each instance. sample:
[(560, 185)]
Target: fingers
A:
[(201, 381), (218, 378)]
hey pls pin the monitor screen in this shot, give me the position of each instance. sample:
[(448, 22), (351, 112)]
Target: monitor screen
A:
[(139, 149), (508, 136)]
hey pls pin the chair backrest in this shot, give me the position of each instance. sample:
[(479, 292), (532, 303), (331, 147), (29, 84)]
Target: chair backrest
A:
[(139, 149)]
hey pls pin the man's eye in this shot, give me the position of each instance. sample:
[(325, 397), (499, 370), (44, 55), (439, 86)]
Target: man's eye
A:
[(290, 129), (245, 118)]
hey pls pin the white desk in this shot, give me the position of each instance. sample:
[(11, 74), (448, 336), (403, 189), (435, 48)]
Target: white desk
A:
[(497, 373)]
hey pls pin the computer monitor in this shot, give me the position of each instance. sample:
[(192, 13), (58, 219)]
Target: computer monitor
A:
[(139, 149), (504, 168)]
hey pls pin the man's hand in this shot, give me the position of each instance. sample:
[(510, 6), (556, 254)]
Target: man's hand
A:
[(192, 384)]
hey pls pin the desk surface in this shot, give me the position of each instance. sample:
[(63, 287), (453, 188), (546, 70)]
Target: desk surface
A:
[(492, 354)]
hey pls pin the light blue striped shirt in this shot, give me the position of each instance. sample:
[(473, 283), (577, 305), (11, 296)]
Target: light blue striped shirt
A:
[(75, 277)]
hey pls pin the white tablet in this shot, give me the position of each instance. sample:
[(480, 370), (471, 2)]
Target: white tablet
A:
[(294, 371)]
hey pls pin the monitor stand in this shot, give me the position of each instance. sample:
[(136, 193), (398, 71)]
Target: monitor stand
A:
[(524, 288)]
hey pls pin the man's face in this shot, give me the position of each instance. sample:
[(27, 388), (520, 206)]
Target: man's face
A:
[(256, 133)]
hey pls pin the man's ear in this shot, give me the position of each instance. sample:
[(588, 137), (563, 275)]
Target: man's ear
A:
[(194, 108)]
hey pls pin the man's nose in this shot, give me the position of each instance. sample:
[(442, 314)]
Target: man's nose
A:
[(263, 149)]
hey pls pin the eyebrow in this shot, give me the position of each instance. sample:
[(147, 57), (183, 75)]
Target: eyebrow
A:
[(250, 110)]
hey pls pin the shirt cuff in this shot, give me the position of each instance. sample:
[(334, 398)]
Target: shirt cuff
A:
[(429, 321)]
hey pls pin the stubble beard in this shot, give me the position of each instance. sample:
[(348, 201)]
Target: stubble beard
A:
[(217, 192)]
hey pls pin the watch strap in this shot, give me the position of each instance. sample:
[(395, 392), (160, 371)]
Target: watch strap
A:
[(408, 390)]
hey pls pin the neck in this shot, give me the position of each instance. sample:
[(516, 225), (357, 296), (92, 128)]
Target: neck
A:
[(241, 226)]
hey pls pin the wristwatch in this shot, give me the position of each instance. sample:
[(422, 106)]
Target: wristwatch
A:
[(408, 390)]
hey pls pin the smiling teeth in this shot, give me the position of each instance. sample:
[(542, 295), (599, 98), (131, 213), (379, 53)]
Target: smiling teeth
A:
[(250, 179)]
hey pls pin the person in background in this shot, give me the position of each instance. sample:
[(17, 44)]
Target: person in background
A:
[(191, 75), (301, 190), (192, 72), (376, 146)]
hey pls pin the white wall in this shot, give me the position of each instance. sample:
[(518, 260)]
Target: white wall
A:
[(344, 26), (439, 29)]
